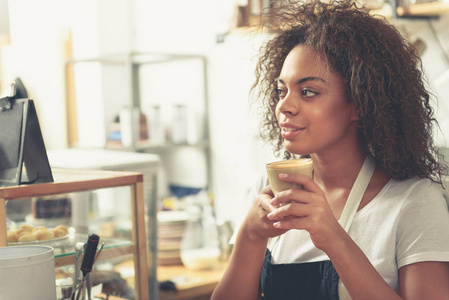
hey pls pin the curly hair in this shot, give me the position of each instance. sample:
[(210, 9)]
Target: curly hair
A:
[(382, 73)]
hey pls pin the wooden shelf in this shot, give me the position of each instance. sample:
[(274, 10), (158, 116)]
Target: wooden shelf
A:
[(66, 181), (423, 9), (430, 9)]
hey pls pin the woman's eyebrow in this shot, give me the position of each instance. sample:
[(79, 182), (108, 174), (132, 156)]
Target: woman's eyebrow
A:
[(304, 79)]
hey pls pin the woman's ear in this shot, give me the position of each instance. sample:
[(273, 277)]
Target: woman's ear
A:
[(355, 114)]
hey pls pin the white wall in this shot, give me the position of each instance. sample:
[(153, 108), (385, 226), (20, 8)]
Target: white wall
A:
[(4, 17), (35, 56), (239, 155)]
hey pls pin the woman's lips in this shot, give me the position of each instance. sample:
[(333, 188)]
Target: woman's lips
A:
[(289, 133)]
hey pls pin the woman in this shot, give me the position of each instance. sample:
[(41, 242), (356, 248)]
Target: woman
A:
[(345, 88)]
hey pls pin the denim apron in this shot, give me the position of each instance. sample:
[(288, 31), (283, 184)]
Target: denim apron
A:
[(313, 280)]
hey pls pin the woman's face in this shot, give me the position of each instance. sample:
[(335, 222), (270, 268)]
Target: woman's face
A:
[(313, 112)]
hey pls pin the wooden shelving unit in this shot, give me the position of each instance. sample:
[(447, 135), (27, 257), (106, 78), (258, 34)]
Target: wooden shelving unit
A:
[(423, 9), (420, 10), (69, 181)]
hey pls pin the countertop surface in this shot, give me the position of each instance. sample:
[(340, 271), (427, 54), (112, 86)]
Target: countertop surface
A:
[(190, 284)]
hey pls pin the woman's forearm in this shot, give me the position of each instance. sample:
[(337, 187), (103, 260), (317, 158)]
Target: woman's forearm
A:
[(242, 276), (358, 275)]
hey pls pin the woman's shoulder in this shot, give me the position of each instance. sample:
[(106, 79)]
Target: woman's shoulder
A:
[(417, 191), (413, 185)]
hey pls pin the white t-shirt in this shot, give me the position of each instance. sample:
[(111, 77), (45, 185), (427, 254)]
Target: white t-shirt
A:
[(406, 223)]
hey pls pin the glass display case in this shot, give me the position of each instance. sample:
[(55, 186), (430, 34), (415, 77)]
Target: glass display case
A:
[(52, 211)]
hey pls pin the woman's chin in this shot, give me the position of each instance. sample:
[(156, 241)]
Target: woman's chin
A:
[(295, 149)]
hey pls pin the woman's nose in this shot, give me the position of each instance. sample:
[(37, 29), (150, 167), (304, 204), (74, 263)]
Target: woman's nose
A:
[(287, 106)]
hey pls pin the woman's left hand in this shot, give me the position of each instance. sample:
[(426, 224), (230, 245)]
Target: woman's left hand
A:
[(306, 209)]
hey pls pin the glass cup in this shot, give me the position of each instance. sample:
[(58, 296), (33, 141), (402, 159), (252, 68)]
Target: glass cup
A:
[(299, 166)]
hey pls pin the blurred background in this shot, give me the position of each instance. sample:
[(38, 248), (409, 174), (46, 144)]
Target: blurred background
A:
[(170, 78)]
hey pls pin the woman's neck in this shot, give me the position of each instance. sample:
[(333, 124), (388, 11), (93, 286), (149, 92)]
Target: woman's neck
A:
[(337, 171)]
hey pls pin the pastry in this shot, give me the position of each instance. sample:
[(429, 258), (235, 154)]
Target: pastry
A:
[(21, 231), (59, 232), (28, 233), (44, 235), (63, 229), (27, 237), (38, 228), (26, 227), (12, 236)]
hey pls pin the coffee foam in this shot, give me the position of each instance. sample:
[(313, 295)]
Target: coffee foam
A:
[(290, 163)]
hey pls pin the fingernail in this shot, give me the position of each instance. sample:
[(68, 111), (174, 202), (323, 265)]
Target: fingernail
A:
[(282, 175), (276, 224)]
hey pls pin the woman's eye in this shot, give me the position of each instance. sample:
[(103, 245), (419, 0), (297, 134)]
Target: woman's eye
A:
[(308, 93), (280, 93)]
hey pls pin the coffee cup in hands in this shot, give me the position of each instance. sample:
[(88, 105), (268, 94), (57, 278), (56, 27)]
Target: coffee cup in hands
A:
[(299, 166)]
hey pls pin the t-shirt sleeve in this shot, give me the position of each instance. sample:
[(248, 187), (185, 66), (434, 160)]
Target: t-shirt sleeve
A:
[(423, 225)]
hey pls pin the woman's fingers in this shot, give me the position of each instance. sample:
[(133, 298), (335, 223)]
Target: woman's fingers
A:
[(297, 223), (303, 195), (298, 205), (310, 217), (305, 181), (257, 224), (295, 209), (304, 209), (292, 195), (267, 195)]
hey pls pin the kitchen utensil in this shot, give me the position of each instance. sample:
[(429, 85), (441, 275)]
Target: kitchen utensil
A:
[(90, 249), (89, 276), (88, 260), (66, 292), (98, 251), (78, 251), (89, 254)]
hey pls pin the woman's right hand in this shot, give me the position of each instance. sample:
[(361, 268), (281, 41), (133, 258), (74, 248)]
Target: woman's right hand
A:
[(241, 279), (256, 225)]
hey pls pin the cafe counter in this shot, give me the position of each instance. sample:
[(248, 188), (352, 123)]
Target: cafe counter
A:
[(190, 284)]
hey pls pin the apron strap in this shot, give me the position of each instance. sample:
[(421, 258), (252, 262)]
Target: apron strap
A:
[(356, 193)]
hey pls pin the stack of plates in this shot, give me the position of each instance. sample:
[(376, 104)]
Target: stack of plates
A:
[(171, 226)]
